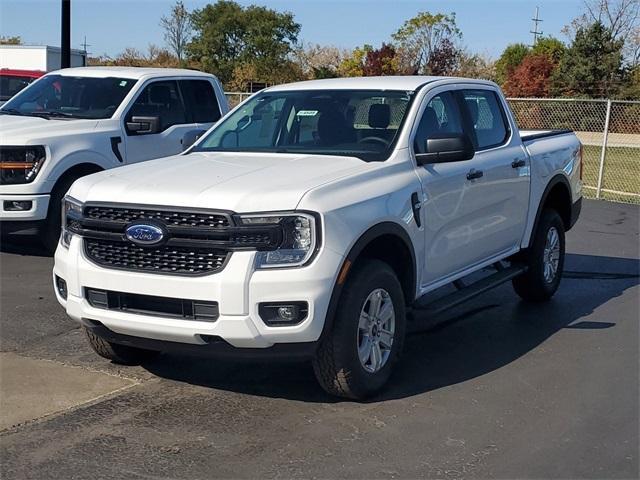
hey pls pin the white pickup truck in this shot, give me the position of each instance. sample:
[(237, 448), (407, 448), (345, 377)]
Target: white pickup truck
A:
[(78, 121), (315, 220)]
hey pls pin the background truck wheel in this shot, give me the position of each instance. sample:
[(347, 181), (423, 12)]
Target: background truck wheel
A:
[(544, 259), (119, 353), (356, 358), (50, 230)]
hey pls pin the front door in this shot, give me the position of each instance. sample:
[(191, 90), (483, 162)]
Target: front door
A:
[(161, 107)]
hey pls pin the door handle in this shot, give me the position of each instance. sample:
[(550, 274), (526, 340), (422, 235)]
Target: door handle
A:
[(517, 163), (473, 174)]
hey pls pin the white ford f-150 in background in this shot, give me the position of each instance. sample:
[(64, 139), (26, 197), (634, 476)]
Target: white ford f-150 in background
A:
[(315, 220), (78, 121)]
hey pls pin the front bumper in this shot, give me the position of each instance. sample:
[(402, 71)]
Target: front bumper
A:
[(38, 210), (238, 289)]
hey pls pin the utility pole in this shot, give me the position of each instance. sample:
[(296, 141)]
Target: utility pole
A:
[(65, 34), (535, 31), (84, 48)]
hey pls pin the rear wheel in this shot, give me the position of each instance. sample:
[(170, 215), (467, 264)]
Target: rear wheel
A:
[(356, 358), (121, 354), (544, 260)]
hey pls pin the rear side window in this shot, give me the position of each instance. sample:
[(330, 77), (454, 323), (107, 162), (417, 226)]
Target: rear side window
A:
[(487, 117), (201, 101), (160, 99)]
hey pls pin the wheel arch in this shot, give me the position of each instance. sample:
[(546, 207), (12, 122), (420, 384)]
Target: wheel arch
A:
[(386, 241), (556, 195)]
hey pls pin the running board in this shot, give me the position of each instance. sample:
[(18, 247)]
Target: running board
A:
[(466, 293)]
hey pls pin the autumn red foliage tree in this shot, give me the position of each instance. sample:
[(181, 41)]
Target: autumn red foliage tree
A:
[(532, 78), (381, 61)]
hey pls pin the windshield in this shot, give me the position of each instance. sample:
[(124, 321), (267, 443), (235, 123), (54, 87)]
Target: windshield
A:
[(70, 97), (12, 84), (359, 123)]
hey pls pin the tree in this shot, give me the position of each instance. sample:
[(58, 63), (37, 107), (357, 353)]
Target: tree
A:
[(532, 78), (177, 29), (444, 60), (227, 35), (353, 64), (620, 17), (10, 40), (476, 66), (319, 61), (550, 46), (381, 61), (132, 57), (422, 36), (511, 57), (592, 66)]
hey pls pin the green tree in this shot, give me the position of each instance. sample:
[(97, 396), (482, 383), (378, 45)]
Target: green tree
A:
[(422, 37), (592, 66), (511, 57), (353, 65), (551, 47), (227, 35), (10, 40)]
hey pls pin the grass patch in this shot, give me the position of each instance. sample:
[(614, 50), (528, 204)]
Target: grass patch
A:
[(621, 172)]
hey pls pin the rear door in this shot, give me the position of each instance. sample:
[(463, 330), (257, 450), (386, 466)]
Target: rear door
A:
[(160, 103), (504, 185)]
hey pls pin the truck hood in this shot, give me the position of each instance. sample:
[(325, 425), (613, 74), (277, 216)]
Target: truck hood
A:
[(241, 182), (24, 130)]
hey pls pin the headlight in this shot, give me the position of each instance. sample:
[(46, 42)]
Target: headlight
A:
[(71, 213), (20, 164), (299, 238)]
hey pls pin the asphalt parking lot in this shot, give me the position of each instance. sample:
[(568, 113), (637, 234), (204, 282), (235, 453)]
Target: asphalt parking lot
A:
[(501, 389)]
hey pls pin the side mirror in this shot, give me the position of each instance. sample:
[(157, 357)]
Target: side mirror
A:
[(143, 125), (190, 138), (446, 148)]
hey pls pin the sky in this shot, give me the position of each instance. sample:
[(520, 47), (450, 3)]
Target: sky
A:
[(110, 26)]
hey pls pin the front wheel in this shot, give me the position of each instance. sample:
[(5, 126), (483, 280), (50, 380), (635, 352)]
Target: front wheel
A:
[(356, 358), (121, 354), (544, 260)]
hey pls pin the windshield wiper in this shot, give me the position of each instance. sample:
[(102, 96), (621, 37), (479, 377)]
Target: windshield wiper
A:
[(11, 111), (49, 114)]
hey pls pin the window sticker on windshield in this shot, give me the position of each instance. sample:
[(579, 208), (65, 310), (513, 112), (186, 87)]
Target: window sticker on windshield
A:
[(123, 83), (307, 113)]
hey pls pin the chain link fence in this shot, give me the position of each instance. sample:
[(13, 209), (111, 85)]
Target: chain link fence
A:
[(609, 131)]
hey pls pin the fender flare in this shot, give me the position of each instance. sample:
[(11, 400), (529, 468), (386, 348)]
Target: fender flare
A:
[(555, 180), (376, 231)]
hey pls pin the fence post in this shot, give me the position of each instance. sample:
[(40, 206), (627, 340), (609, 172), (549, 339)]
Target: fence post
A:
[(604, 149)]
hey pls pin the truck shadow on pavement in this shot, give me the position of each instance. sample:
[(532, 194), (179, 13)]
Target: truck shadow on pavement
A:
[(473, 340), (22, 244)]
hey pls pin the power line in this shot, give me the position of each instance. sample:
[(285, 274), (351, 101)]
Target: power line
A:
[(535, 31)]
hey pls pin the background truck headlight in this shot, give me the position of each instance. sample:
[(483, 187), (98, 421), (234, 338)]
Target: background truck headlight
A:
[(300, 238), (71, 212), (20, 164)]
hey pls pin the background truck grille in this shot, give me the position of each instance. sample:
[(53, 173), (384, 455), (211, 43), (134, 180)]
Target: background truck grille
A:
[(169, 217), (161, 259)]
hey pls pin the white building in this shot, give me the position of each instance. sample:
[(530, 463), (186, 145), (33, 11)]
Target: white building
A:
[(37, 57)]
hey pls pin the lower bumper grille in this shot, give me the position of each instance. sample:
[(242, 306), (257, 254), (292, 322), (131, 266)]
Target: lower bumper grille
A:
[(152, 305), (164, 259)]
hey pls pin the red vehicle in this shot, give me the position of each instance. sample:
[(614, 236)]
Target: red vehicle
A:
[(12, 81)]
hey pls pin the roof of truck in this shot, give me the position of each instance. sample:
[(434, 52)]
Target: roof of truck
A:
[(405, 83), (129, 72)]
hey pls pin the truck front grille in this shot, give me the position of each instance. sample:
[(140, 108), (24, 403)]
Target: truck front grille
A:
[(163, 259), (168, 217)]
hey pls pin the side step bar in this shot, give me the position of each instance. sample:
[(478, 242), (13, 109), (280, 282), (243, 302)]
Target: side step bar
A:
[(465, 293)]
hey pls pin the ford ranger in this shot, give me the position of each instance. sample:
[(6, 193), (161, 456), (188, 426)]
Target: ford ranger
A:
[(78, 121), (316, 220)]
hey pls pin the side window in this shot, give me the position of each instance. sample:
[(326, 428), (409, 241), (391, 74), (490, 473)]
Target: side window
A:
[(487, 117), (162, 100), (441, 116), (201, 101)]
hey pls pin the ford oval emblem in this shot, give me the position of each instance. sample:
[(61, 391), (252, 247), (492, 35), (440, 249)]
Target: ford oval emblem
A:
[(144, 234)]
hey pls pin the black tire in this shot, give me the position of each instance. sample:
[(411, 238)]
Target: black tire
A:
[(50, 229), (532, 286), (337, 365), (121, 354)]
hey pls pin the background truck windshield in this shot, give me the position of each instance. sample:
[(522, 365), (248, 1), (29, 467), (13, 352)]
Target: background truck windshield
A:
[(72, 97), (362, 123)]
